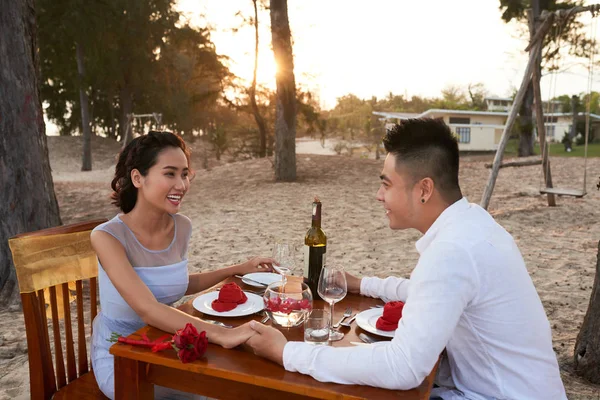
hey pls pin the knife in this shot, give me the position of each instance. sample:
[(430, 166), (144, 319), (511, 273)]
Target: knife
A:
[(251, 280), (370, 339)]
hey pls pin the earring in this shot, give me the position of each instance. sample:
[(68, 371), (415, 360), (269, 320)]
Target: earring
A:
[(423, 201)]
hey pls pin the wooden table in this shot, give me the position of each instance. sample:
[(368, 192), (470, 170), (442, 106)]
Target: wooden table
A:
[(238, 373)]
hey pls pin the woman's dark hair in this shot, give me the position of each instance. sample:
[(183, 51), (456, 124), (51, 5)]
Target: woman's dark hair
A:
[(141, 154), (427, 148)]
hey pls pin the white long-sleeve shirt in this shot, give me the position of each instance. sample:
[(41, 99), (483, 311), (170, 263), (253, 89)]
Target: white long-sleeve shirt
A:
[(469, 293)]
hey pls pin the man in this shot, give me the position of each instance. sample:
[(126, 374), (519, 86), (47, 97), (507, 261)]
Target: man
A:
[(470, 292)]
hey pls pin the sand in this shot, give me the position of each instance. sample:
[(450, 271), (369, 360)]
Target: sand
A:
[(239, 211)]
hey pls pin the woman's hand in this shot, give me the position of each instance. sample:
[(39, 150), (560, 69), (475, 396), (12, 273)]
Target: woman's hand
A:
[(236, 336), (257, 264)]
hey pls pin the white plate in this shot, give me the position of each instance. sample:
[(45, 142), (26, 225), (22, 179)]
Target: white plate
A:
[(263, 277), (368, 321), (253, 305)]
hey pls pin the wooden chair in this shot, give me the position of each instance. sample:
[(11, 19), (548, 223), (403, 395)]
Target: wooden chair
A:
[(46, 261)]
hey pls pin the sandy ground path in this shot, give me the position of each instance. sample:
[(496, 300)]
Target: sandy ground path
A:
[(238, 211)]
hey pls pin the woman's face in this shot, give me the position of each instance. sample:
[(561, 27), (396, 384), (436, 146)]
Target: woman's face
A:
[(166, 182)]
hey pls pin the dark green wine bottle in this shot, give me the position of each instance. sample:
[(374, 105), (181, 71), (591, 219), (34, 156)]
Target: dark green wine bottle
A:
[(315, 249)]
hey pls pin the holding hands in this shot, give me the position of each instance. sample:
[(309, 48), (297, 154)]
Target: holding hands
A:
[(267, 342)]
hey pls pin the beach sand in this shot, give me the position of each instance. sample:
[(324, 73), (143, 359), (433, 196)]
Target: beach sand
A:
[(239, 211)]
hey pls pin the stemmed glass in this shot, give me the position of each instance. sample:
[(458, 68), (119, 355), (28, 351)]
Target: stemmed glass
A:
[(332, 288), (283, 253)]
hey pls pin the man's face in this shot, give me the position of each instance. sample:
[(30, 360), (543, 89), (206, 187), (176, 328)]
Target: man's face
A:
[(398, 195)]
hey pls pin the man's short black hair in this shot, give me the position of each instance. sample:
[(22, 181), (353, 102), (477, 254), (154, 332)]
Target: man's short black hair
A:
[(426, 147)]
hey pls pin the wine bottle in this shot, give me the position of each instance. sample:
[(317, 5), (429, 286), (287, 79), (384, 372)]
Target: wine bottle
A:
[(315, 248)]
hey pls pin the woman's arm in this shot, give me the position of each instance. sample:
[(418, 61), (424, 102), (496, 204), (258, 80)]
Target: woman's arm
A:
[(139, 297), (204, 280)]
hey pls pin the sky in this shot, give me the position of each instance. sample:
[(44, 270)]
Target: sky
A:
[(372, 48), (381, 46)]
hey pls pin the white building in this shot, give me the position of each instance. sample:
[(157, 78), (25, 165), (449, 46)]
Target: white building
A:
[(482, 130)]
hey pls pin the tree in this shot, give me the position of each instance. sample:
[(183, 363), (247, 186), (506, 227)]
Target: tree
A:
[(137, 56), (260, 121), (587, 346), (571, 33), (27, 199), (285, 122)]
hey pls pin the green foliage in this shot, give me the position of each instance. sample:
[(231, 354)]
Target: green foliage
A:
[(572, 32), (138, 58), (352, 117), (555, 149)]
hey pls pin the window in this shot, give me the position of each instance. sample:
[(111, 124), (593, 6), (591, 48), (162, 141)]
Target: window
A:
[(460, 120), (550, 131), (464, 135)]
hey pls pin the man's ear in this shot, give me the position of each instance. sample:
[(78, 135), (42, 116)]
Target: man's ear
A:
[(136, 178), (427, 187)]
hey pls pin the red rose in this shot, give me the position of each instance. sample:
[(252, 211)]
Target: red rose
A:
[(201, 344), (186, 355), (186, 336), (188, 343)]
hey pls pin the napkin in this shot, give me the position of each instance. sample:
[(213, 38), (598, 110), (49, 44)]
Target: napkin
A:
[(392, 312), (230, 296)]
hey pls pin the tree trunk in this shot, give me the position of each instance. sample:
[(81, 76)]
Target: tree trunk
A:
[(260, 121), (112, 132), (285, 120), (126, 109), (587, 347), (526, 124), (27, 200), (86, 160)]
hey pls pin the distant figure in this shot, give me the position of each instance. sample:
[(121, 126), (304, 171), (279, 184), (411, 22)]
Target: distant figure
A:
[(470, 292), (143, 255), (567, 142)]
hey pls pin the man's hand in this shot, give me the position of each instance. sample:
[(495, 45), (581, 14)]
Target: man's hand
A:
[(268, 342), (353, 283)]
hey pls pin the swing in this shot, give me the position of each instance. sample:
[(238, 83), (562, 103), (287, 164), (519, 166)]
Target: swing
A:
[(578, 193)]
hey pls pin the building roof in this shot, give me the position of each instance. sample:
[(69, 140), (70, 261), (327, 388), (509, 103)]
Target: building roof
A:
[(396, 115), (400, 115), (498, 98)]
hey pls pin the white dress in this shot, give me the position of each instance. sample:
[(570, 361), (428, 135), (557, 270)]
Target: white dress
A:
[(166, 275)]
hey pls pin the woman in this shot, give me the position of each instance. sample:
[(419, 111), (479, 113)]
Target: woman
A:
[(142, 254)]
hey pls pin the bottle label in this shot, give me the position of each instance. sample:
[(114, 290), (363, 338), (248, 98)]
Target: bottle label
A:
[(306, 258), (314, 260)]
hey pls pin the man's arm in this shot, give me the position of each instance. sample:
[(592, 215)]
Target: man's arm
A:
[(441, 287), (389, 289)]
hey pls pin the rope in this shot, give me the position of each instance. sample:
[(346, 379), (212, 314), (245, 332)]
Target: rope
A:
[(558, 31)]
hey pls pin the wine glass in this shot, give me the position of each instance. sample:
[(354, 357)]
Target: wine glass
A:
[(283, 253), (332, 288)]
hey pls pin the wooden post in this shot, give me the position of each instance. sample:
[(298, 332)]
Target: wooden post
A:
[(573, 131), (489, 188), (539, 113)]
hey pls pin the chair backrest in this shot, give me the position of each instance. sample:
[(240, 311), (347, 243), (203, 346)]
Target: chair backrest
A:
[(50, 264)]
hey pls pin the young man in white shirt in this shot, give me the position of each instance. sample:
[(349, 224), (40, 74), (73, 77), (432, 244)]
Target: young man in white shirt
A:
[(470, 292)]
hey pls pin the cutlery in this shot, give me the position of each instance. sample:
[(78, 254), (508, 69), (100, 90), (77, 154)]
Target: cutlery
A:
[(369, 339), (265, 319), (219, 323), (251, 280), (346, 314), (346, 324), (377, 306), (360, 344)]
